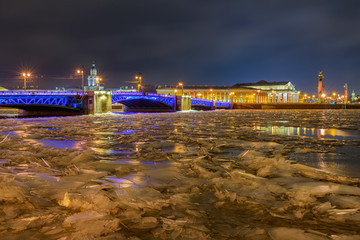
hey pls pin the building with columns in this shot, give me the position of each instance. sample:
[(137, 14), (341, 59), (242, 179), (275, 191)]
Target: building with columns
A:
[(260, 92)]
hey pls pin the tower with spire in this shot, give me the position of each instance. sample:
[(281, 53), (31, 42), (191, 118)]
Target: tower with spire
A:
[(320, 85), (93, 80), (345, 93)]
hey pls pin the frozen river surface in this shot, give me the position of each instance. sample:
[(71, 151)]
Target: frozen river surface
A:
[(192, 175)]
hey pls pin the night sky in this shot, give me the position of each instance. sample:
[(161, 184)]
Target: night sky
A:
[(213, 42)]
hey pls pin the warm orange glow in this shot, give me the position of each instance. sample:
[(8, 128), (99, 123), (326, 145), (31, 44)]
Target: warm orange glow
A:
[(180, 84), (24, 74), (323, 95), (28, 74)]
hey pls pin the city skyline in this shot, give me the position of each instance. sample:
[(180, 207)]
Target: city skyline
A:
[(214, 44)]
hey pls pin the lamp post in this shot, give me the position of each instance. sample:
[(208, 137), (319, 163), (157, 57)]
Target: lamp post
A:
[(139, 78), (81, 71), (26, 77), (182, 88)]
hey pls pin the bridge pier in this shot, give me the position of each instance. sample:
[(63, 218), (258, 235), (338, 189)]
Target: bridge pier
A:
[(183, 103), (97, 102)]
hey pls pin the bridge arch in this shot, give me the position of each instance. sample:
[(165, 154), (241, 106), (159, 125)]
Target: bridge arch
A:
[(142, 103)]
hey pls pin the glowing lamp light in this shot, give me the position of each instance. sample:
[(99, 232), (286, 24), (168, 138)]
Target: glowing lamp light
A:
[(323, 95)]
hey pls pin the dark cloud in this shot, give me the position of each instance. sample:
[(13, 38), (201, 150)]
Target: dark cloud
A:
[(199, 42)]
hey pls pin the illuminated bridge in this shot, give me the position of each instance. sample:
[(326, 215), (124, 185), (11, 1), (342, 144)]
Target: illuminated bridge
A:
[(139, 102), (204, 104), (78, 102), (42, 100), (157, 102)]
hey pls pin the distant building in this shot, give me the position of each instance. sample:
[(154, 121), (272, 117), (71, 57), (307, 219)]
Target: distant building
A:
[(278, 92), (260, 92), (123, 89), (93, 80), (355, 98)]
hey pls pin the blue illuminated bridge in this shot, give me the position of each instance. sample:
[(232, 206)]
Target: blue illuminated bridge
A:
[(75, 101)]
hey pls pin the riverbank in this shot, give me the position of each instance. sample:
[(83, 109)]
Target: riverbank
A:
[(294, 106)]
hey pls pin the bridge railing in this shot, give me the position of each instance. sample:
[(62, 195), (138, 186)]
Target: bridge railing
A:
[(141, 94), (223, 104)]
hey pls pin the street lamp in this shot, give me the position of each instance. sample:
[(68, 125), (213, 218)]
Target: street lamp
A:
[(182, 88), (26, 77), (139, 78), (81, 71)]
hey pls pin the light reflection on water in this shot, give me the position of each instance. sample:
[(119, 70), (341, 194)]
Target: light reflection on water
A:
[(119, 182), (62, 144), (346, 163), (332, 133)]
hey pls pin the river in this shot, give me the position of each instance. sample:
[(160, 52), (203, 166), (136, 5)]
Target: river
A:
[(240, 174)]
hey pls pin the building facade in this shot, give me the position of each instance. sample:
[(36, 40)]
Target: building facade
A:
[(260, 92), (93, 80)]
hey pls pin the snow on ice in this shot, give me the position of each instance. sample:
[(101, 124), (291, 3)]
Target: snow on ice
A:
[(194, 175)]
